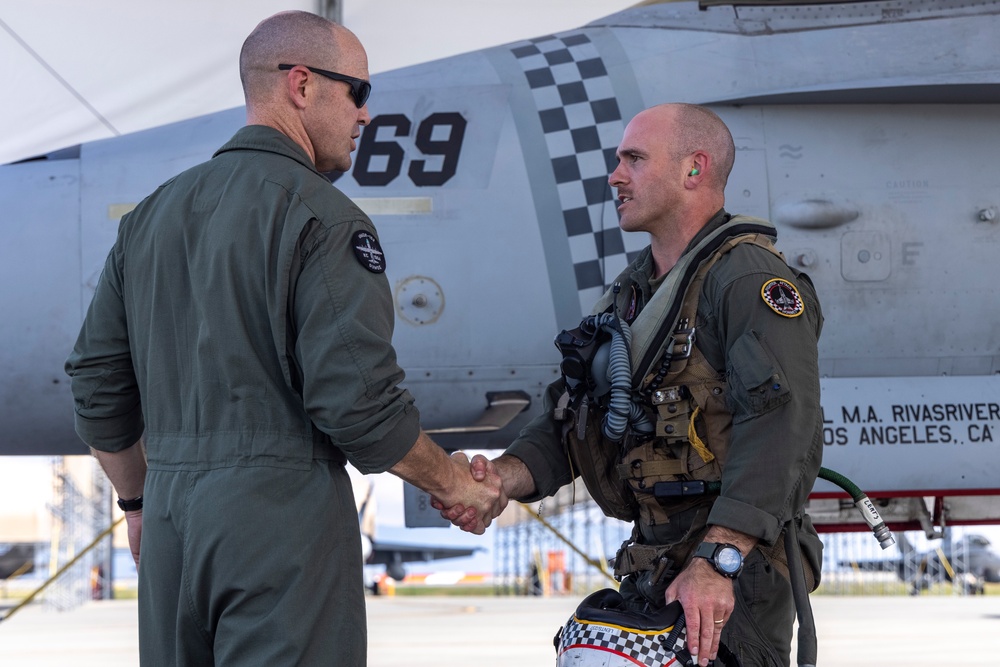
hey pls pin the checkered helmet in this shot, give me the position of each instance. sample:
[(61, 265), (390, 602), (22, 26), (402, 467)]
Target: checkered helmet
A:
[(603, 633)]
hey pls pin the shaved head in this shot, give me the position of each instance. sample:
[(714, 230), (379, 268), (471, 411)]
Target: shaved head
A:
[(306, 101), (294, 37), (699, 129), (673, 164)]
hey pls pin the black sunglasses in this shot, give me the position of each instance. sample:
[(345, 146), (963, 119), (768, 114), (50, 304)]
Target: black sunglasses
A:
[(360, 89)]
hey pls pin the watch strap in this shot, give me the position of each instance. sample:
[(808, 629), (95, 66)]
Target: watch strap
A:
[(130, 505), (706, 550), (710, 551)]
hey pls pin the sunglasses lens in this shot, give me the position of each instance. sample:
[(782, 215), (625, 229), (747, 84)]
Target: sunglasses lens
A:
[(361, 90)]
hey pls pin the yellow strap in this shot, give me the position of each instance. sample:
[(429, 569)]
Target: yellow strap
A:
[(696, 442)]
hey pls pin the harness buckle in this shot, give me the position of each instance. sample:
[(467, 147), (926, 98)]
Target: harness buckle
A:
[(683, 337)]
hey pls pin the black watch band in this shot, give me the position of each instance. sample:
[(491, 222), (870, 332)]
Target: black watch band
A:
[(130, 505), (727, 559)]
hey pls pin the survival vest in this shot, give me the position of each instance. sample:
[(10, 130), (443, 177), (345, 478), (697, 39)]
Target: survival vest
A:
[(650, 479)]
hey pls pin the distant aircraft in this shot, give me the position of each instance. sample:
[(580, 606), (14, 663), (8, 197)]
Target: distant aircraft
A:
[(16, 559), (19, 558), (969, 560), (393, 555), (866, 131)]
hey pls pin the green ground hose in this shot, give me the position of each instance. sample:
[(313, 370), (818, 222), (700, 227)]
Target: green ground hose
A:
[(861, 501), (864, 505)]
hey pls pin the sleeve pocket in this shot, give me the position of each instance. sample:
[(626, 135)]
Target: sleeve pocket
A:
[(756, 381)]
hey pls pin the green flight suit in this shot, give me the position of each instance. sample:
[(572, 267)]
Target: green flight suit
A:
[(243, 326), (776, 445)]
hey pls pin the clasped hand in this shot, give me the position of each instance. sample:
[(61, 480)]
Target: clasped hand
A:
[(476, 505)]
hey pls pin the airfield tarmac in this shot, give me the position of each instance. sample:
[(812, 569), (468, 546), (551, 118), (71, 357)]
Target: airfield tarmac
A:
[(506, 631)]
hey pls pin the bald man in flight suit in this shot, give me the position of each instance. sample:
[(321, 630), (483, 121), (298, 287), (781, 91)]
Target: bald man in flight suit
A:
[(236, 354)]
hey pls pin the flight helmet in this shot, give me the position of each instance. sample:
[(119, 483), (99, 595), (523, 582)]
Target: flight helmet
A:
[(603, 633)]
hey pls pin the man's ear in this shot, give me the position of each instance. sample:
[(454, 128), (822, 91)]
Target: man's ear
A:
[(697, 166), (297, 86)]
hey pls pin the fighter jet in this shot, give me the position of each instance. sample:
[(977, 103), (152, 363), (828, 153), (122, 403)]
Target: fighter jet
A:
[(16, 559), (393, 555), (865, 131), (970, 561)]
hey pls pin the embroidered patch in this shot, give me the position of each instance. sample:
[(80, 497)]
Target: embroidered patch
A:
[(782, 297), (368, 251)]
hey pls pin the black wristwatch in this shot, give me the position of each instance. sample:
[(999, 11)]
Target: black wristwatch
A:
[(130, 505), (725, 558)]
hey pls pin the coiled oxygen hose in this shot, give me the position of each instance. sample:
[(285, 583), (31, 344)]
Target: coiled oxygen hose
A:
[(622, 410)]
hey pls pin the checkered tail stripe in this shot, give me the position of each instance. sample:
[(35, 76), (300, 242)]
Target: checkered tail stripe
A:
[(583, 125)]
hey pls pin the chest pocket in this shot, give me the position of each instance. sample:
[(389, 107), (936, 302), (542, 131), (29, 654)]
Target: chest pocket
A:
[(756, 380)]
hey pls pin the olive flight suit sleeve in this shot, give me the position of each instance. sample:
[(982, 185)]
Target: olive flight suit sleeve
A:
[(108, 409), (770, 358), (539, 446), (343, 320)]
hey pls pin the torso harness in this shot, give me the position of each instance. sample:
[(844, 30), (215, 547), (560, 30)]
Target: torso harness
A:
[(648, 442)]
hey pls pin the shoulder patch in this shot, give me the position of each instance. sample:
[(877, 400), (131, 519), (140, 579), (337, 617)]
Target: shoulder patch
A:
[(782, 297), (368, 251)]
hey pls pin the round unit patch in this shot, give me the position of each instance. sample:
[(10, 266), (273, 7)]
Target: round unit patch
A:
[(782, 297), (368, 251)]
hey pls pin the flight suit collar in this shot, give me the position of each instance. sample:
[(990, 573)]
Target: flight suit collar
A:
[(641, 283), (720, 218), (264, 138)]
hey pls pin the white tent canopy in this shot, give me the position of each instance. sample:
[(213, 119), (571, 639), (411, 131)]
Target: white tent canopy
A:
[(77, 71)]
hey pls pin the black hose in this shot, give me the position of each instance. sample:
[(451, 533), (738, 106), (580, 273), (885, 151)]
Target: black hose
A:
[(808, 645)]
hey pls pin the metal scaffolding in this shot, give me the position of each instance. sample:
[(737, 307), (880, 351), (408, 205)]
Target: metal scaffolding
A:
[(80, 508), (532, 559)]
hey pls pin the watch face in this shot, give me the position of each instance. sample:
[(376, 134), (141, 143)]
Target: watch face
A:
[(729, 559)]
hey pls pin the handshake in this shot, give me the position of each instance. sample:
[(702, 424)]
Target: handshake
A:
[(478, 497)]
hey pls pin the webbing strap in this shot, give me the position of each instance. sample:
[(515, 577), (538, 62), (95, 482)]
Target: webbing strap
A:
[(680, 335), (659, 317), (643, 469), (633, 558)]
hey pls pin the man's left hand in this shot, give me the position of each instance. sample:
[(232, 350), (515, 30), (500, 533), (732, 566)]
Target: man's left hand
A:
[(708, 600)]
